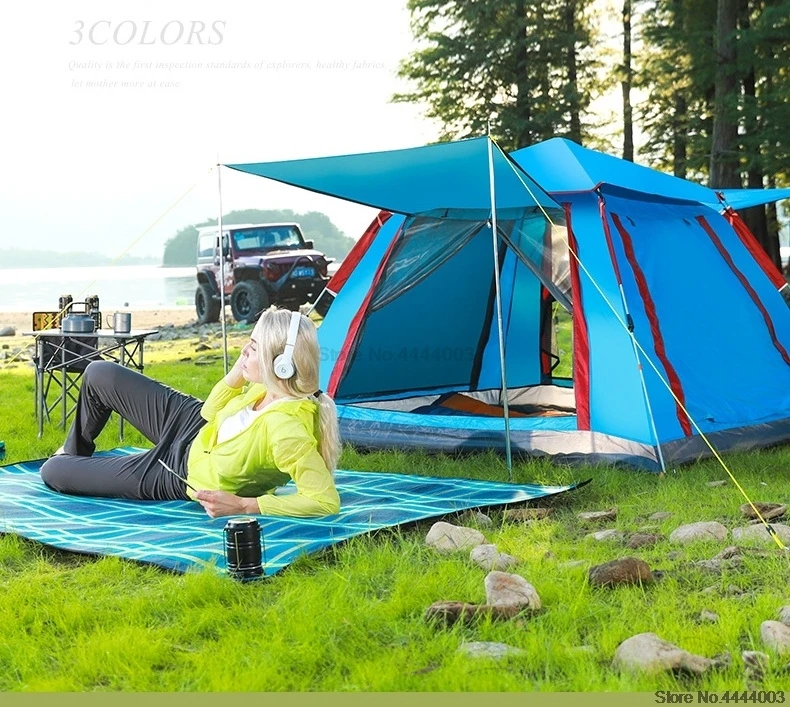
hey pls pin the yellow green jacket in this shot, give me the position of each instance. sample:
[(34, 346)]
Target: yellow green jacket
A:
[(281, 444)]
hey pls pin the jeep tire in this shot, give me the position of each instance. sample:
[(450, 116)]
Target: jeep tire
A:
[(206, 306), (248, 299)]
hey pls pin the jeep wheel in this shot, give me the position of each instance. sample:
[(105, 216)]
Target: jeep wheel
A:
[(206, 306), (248, 300)]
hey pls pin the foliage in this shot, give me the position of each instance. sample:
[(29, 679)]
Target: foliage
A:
[(677, 69), (527, 67), (765, 45), (351, 618), (180, 249)]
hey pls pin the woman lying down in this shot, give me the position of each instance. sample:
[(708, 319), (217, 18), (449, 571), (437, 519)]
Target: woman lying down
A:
[(262, 425)]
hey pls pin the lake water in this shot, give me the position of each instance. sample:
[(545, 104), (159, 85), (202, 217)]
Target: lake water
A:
[(128, 287)]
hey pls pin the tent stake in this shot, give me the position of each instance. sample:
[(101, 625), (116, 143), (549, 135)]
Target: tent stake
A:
[(494, 231), (221, 272)]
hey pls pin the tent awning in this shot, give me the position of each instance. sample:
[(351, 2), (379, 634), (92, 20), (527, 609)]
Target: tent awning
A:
[(744, 198), (560, 165), (448, 175)]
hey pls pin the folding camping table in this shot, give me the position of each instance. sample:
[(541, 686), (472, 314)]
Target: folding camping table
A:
[(62, 359)]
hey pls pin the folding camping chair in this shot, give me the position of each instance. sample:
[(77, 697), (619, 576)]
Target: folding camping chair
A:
[(65, 357)]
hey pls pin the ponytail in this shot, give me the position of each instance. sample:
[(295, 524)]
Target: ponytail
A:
[(328, 430)]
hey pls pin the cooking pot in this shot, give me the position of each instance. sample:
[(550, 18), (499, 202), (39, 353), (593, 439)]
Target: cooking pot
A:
[(76, 323)]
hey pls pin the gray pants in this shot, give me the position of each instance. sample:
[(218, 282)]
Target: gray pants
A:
[(169, 419)]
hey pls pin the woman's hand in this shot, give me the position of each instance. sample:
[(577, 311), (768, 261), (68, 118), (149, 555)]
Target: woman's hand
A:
[(222, 503), (235, 376)]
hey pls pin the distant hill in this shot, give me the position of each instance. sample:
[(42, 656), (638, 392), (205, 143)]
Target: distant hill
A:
[(19, 258), (180, 249)]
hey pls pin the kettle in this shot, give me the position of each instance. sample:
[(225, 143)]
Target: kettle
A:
[(78, 323)]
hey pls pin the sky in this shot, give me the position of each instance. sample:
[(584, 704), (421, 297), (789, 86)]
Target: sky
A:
[(113, 111)]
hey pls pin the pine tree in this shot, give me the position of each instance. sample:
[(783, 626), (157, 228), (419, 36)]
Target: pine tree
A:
[(526, 68)]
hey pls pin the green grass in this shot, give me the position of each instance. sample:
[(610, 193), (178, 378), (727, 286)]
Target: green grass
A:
[(351, 618)]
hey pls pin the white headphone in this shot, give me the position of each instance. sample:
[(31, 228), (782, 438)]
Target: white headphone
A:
[(284, 364)]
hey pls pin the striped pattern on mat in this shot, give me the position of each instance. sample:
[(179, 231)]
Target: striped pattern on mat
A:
[(178, 535)]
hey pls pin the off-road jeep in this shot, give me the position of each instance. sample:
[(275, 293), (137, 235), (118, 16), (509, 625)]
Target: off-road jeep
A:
[(266, 263)]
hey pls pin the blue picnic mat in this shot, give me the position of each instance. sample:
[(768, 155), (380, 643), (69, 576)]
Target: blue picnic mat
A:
[(179, 535)]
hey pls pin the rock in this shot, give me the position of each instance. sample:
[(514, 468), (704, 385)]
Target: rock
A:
[(660, 515), (754, 664), (446, 537), (510, 590), (696, 532), (451, 612), (728, 553), (597, 516), (610, 535), (483, 649), (717, 484), (526, 515), (648, 653), (477, 517), (7, 331), (489, 558), (784, 615), (708, 617), (717, 566), (627, 570), (776, 636), (638, 540), (766, 510), (758, 533)]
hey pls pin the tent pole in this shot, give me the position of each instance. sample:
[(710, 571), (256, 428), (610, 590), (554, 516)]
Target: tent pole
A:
[(494, 232), (221, 272)]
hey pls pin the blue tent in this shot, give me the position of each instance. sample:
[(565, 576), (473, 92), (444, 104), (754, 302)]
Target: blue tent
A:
[(412, 337)]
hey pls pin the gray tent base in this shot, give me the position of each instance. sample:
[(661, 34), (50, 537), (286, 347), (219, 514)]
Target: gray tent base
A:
[(564, 447)]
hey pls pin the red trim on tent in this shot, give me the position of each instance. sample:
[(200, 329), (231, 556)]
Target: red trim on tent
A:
[(581, 341), (746, 285), (357, 252), (757, 251), (655, 328), (356, 323)]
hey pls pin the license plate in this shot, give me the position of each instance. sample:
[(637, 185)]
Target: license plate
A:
[(302, 272)]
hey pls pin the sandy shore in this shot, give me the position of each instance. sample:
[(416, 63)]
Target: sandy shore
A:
[(144, 319)]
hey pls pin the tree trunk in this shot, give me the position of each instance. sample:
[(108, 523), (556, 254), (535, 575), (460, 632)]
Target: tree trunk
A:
[(523, 136), (575, 125), (679, 106), (628, 75), (755, 218), (724, 170)]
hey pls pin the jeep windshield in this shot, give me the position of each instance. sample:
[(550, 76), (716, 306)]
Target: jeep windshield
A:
[(266, 238)]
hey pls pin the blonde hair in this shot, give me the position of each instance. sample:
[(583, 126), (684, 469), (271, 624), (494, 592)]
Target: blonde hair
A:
[(271, 332)]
